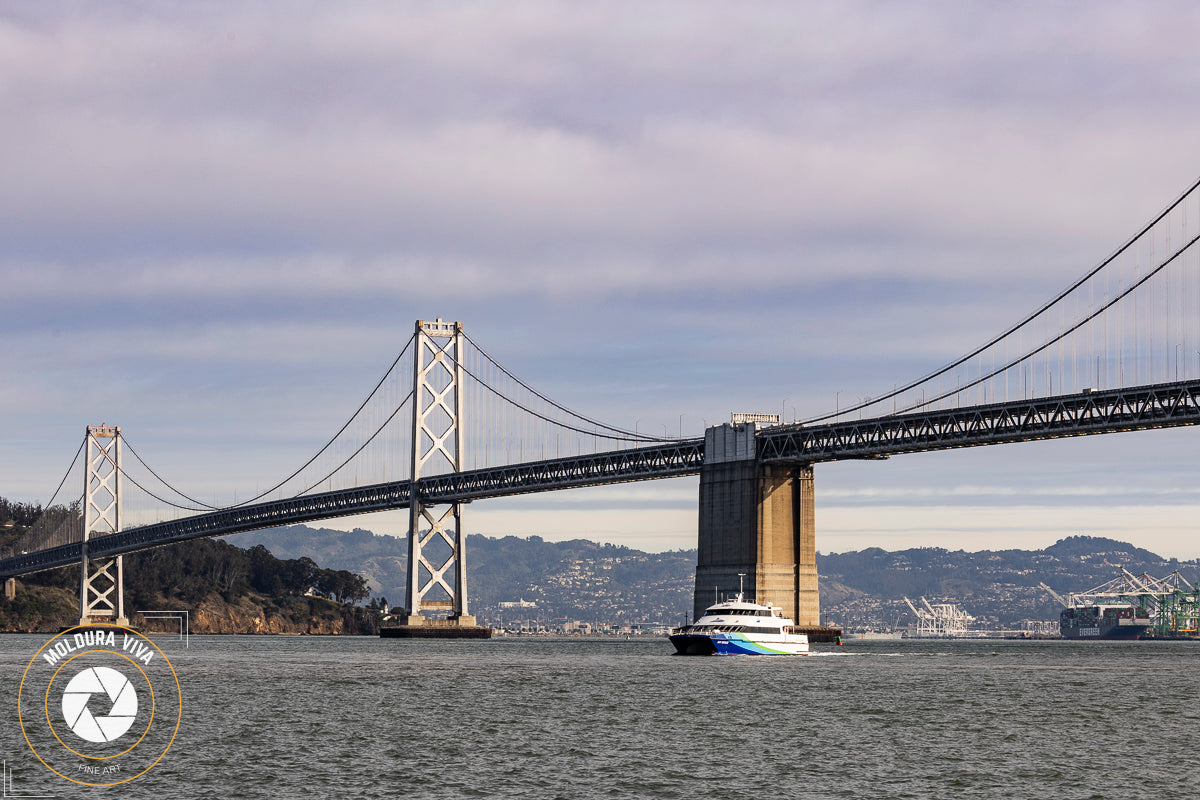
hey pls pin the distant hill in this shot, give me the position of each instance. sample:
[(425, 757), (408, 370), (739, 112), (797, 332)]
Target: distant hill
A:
[(563, 581), (591, 582), (999, 587), (245, 590), (574, 580)]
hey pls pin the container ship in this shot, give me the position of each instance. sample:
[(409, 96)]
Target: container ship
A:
[(1132, 607), (1105, 621)]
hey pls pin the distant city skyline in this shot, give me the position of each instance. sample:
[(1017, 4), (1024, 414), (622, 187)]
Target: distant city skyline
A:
[(221, 223)]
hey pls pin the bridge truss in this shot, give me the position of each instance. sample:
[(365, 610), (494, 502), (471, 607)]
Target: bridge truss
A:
[(1142, 408), (1113, 411), (622, 466)]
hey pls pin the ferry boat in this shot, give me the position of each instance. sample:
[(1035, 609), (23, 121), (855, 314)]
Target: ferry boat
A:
[(739, 627)]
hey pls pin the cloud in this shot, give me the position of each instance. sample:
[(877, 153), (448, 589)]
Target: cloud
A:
[(487, 138), (226, 218)]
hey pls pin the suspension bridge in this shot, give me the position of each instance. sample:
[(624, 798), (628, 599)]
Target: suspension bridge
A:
[(448, 424)]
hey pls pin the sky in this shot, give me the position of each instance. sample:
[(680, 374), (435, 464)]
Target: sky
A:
[(219, 222)]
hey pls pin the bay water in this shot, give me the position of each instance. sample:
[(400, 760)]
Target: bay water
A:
[(268, 718)]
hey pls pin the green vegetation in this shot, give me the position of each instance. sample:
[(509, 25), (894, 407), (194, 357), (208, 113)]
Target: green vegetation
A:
[(15, 520), (228, 582), (190, 571)]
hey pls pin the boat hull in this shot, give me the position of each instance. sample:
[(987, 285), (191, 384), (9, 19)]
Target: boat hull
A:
[(1092, 623), (688, 644), (1104, 630), (734, 644), (719, 644)]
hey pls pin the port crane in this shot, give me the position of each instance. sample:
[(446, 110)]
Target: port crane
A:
[(943, 620), (1055, 595)]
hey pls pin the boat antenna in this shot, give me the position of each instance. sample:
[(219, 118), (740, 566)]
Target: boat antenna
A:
[(741, 582)]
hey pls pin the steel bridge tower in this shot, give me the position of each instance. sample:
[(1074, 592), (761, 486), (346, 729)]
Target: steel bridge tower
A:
[(438, 435), (101, 584)]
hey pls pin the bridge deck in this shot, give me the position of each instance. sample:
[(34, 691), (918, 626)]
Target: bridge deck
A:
[(1086, 413), (644, 463), (1083, 414)]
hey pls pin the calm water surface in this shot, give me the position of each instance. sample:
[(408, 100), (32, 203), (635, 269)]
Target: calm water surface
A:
[(329, 717)]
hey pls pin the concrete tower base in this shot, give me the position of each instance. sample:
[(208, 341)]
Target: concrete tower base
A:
[(756, 520)]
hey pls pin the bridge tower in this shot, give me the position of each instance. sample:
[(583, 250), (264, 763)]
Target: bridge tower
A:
[(437, 436), (101, 585), (757, 519)]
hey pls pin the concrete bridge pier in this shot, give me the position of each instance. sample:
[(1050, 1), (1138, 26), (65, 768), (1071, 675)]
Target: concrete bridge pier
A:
[(757, 520)]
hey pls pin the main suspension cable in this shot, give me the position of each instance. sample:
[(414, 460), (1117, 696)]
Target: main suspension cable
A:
[(328, 444), (1020, 325), (636, 436), (1060, 336), (74, 461), (141, 461), (626, 435), (362, 446)]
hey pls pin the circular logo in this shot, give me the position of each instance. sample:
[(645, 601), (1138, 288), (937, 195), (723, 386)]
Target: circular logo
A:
[(102, 682), (99, 705)]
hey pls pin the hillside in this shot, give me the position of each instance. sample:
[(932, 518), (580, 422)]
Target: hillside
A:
[(600, 583), (999, 588), (275, 583), (574, 580), (224, 588)]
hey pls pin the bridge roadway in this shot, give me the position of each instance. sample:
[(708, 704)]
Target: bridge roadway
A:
[(1086, 413)]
